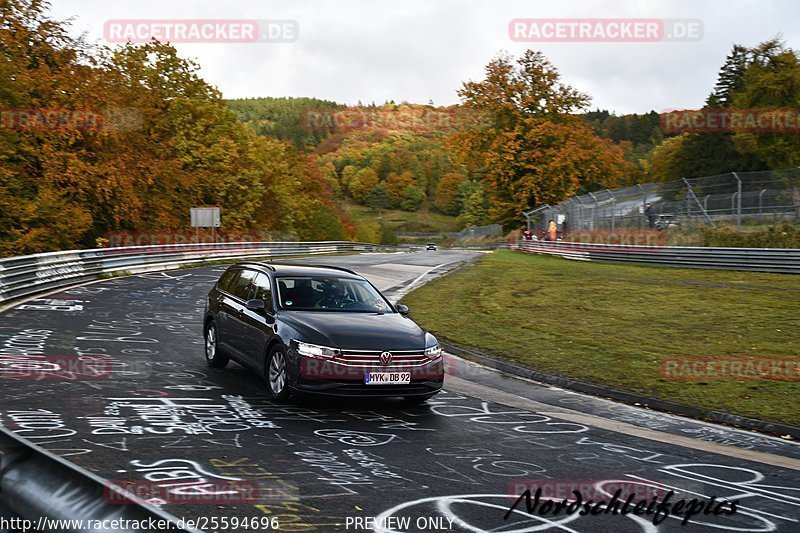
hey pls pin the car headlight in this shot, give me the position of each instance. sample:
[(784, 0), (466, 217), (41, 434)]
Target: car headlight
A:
[(434, 351), (313, 350)]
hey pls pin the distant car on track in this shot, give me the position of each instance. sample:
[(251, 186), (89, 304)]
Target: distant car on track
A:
[(430, 246), (322, 330)]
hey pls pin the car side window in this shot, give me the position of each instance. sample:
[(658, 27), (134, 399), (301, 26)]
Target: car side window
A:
[(226, 281), (241, 284), (262, 290)]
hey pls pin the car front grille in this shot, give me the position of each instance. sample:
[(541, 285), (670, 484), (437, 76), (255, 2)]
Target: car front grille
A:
[(372, 358)]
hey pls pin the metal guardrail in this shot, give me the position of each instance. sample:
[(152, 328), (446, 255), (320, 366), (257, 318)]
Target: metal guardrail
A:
[(46, 492), (777, 260), (33, 274)]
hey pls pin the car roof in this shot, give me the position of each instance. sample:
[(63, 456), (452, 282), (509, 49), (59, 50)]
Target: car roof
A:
[(283, 269)]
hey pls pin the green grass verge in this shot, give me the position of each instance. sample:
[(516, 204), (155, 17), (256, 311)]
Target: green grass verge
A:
[(613, 324)]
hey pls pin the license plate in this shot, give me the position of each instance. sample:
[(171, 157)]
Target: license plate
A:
[(387, 378)]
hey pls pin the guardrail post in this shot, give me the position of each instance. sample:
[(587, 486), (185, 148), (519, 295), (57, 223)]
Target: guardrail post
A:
[(760, 202)]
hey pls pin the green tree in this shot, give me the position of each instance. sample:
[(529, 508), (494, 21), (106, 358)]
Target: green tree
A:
[(413, 197), (474, 212), (771, 81), (664, 159), (380, 198), (711, 153)]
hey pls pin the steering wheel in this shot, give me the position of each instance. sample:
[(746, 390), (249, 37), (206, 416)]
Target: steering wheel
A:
[(348, 305)]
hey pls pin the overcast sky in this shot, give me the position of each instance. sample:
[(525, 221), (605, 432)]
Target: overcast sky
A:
[(420, 50)]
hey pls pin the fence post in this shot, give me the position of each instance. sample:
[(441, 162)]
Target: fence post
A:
[(594, 224), (739, 199), (613, 210), (580, 222), (689, 191), (644, 206), (704, 207), (760, 202)]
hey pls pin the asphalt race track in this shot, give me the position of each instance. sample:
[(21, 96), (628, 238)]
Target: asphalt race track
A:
[(205, 443)]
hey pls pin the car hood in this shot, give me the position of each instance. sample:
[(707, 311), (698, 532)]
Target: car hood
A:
[(358, 331)]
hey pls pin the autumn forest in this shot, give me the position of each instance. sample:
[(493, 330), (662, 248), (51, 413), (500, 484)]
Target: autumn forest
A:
[(95, 140)]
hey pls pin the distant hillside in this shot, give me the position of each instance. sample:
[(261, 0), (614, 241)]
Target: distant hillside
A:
[(285, 118), (388, 157)]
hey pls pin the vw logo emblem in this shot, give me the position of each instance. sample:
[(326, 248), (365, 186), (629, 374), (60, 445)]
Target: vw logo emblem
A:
[(386, 358)]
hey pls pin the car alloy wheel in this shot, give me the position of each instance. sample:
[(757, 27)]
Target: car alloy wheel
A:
[(277, 374), (211, 342), (214, 357)]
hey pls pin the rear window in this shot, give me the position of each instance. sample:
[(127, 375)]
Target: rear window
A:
[(226, 281), (241, 285)]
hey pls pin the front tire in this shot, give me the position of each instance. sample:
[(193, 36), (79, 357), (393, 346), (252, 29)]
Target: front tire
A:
[(214, 357), (277, 375)]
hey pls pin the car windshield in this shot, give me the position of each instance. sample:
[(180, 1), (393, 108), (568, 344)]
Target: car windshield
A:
[(322, 293)]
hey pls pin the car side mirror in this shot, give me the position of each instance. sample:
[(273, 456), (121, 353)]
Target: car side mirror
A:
[(402, 309), (255, 305)]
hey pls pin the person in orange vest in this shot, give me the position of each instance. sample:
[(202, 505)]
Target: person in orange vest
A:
[(552, 230)]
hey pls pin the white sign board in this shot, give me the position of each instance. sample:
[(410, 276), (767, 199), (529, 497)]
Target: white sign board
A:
[(205, 217), (560, 219)]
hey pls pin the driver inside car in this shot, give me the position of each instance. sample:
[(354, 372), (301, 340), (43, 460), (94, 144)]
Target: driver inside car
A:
[(335, 297)]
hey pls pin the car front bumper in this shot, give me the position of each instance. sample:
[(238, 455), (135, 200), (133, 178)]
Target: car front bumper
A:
[(335, 379)]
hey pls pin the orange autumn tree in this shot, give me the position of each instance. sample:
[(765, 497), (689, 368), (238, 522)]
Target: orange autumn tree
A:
[(527, 144), (447, 193), (165, 141)]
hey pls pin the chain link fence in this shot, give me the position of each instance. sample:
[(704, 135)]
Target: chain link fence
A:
[(762, 197), (490, 230)]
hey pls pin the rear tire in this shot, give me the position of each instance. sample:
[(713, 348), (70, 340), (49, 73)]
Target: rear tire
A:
[(214, 357), (277, 376)]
